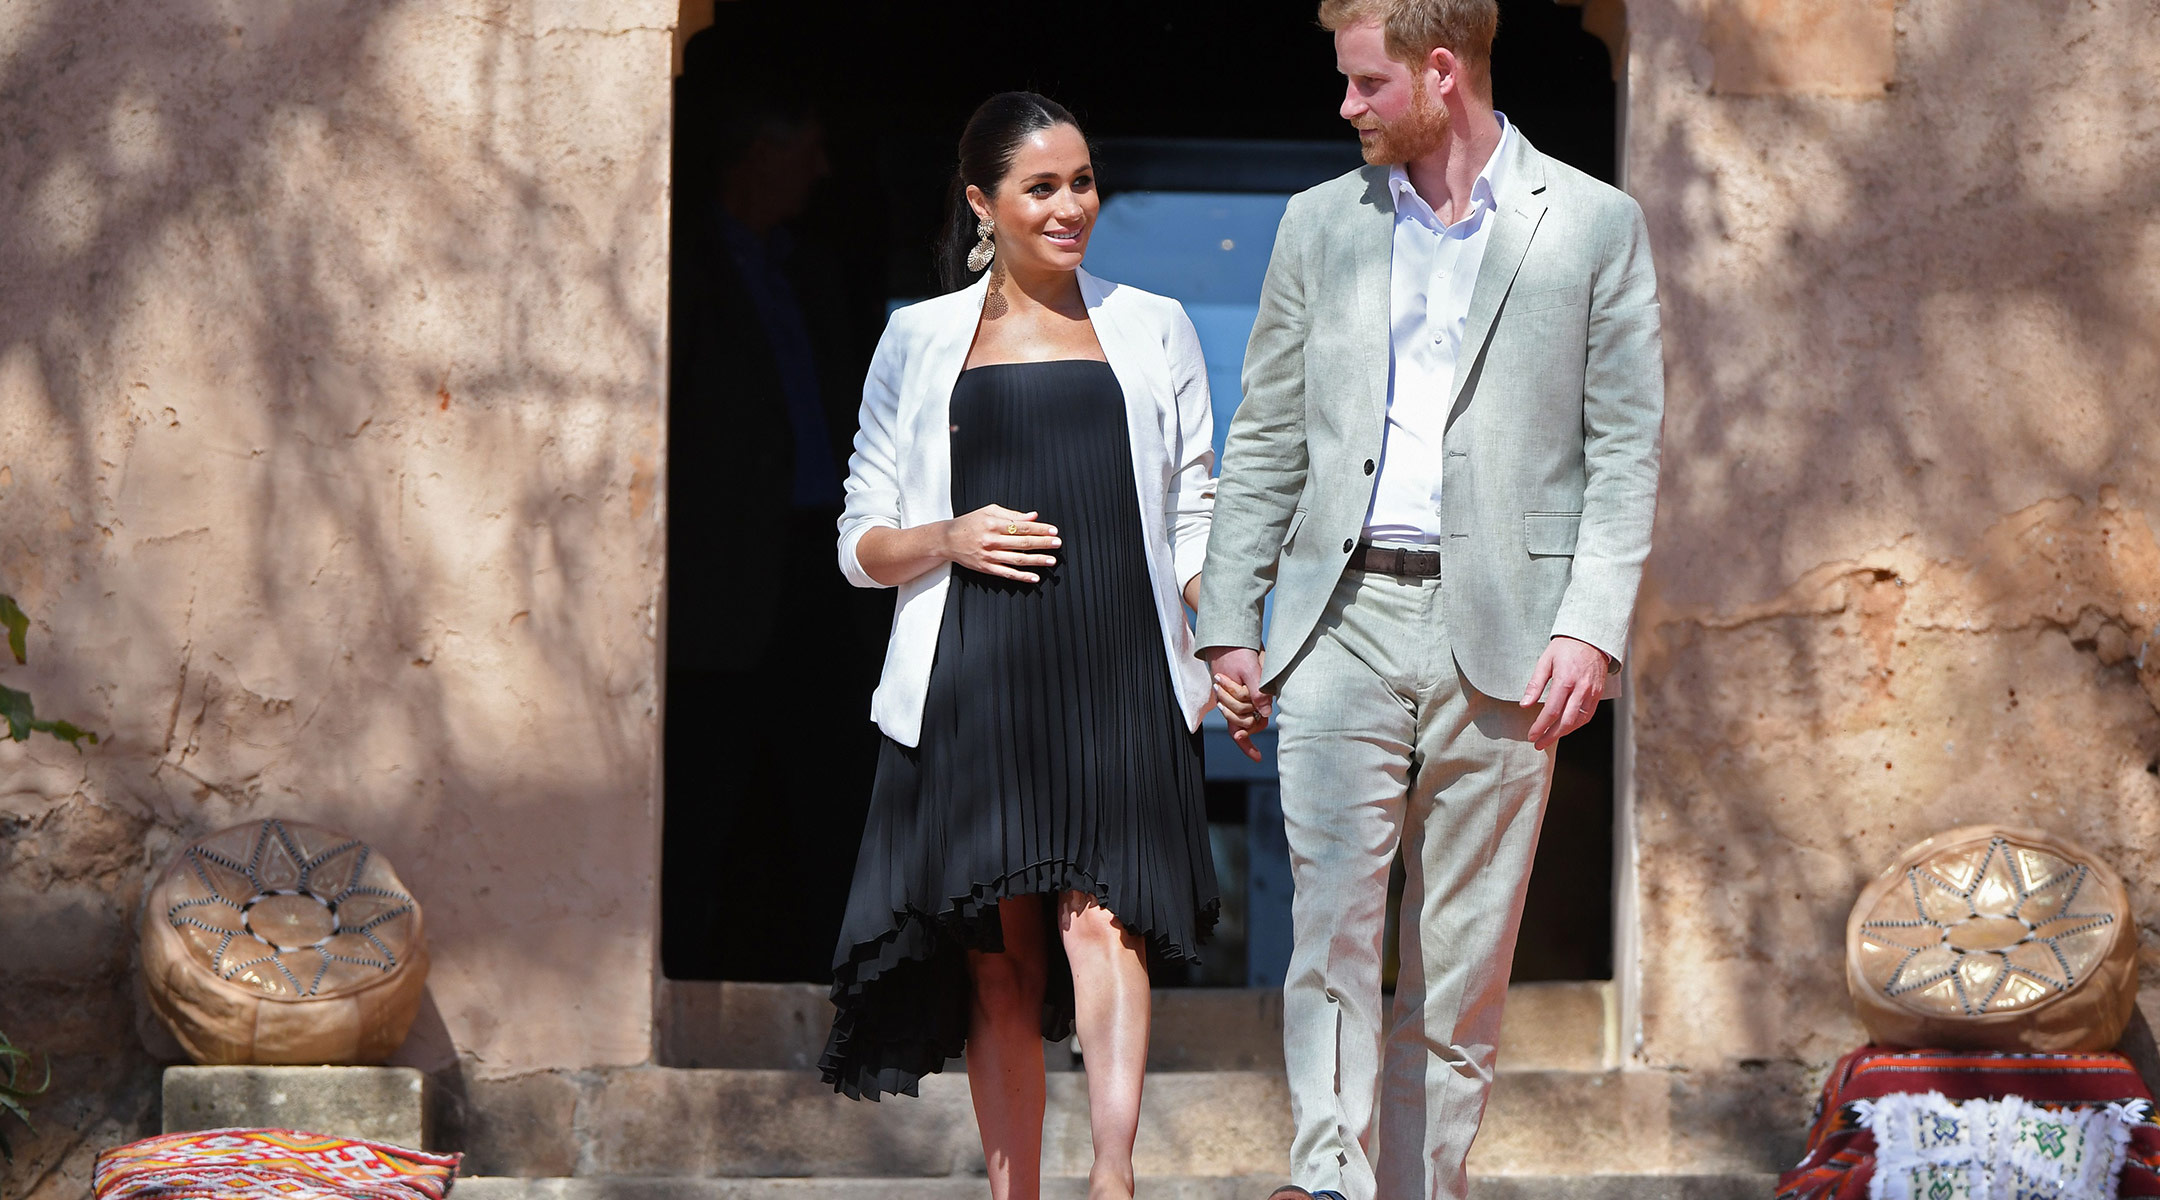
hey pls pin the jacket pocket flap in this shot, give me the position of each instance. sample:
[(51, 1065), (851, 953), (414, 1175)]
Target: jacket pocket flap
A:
[(1290, 531), (1551, 532)]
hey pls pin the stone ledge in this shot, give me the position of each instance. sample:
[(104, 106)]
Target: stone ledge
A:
[(788, 1123), (770, 1124), (782, 1026), (1066, 1187), (1487, 1187), (379, 1104)]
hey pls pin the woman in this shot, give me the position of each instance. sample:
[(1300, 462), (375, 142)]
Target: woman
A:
[(1036, 826)]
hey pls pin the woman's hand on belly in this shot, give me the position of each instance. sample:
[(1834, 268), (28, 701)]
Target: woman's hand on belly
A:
[(993, 540)]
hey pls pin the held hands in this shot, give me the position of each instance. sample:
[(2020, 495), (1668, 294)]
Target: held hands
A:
[(1237, 692), (995, 540), (1576, 670)]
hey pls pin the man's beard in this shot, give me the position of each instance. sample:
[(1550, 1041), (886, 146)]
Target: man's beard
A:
[(1417, 134)]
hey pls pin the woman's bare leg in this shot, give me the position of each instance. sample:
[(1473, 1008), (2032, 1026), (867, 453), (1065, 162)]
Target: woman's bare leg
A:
[(1005, 1051), (1110, 992)]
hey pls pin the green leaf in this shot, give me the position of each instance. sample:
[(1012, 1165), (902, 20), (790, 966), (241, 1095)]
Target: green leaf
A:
[(22, 721), (9, 1107), (14, 1088), (15, 706), (18, 629), (66, 731), (12, 1058)]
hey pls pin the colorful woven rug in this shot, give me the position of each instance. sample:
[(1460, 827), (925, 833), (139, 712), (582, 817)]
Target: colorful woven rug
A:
[(269, 1164), (1842, 1154)]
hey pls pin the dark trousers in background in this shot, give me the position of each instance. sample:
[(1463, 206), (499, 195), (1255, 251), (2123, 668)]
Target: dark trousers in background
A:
[(768, 769)]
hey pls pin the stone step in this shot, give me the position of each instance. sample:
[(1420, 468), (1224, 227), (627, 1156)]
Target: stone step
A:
[(1215, 1124), (1491, 1187), (722, 1123), (782, 1026), (381, 1104)]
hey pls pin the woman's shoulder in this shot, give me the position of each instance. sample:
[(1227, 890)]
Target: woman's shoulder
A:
[(1139, 301), (926, 315)]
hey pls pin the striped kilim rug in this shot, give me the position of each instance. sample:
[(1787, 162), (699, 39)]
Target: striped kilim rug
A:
[(1845, 1160), (269, 1164)]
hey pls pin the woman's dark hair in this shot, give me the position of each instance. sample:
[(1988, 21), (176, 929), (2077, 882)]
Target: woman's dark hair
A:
[(993, 135)]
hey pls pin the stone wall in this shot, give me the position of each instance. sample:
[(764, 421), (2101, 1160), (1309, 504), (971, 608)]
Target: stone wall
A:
[(330, 453), (331, 386), (1906, 575)]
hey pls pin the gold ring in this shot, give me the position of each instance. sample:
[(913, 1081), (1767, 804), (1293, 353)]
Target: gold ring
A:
[(1012, 529)]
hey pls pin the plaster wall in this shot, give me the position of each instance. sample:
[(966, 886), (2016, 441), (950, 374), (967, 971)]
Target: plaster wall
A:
[(1906, 573), (331, 418), (330, 434)]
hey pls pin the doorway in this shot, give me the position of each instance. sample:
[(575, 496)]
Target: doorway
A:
[(768, 753)]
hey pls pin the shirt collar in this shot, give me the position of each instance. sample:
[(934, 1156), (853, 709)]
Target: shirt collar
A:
[(1484, 192)]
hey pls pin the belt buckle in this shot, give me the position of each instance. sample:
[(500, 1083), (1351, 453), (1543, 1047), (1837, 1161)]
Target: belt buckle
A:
[(1420, 562)]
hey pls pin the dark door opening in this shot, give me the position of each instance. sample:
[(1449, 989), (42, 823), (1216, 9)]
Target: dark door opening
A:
[(768, 751)]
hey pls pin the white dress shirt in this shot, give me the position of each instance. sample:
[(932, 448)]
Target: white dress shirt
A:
[(1433, 272)]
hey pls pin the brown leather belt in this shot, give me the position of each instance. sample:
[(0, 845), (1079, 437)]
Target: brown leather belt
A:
[(1418, 563)]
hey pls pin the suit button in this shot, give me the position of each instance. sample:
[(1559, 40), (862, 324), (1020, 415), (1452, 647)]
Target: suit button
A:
[(1347, 543), (1368, 466)]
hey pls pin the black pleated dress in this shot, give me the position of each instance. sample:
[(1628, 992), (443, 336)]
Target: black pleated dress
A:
[(1054, 755)]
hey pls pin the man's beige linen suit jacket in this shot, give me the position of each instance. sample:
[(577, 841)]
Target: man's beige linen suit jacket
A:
[(1551, 447)]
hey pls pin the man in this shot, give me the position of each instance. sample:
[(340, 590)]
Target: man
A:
[(1445, 466)]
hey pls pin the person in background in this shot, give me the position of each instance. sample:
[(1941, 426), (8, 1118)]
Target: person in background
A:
[(761, 632), (1033, 474)]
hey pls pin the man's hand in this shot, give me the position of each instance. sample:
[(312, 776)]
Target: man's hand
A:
[(1237, 692), (1576, 670)]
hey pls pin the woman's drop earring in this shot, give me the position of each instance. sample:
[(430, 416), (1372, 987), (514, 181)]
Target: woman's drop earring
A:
[(994, 303), (984, 250)]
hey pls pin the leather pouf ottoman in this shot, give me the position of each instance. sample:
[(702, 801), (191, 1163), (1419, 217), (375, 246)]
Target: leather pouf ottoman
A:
[(1994, 938), (278, 942)]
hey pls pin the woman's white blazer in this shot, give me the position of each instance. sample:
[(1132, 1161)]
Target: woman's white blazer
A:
[(900, 475)]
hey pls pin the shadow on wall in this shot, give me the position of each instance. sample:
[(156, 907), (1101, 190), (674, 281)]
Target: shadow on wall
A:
[(330, 428), (1906, 574)]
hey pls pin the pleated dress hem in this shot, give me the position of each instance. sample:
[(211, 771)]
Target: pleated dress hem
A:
[(971, 923)]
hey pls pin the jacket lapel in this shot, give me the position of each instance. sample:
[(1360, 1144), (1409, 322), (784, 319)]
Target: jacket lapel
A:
[(1372, 234), (1146, 391), (1515, 217), (1126, 360), (944, 356)]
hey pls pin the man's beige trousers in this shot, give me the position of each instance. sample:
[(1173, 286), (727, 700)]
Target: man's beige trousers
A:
[(1383, 744)]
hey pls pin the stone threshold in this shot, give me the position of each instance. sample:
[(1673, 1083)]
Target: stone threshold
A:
[(1564, 1026), (1752, 1186)]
